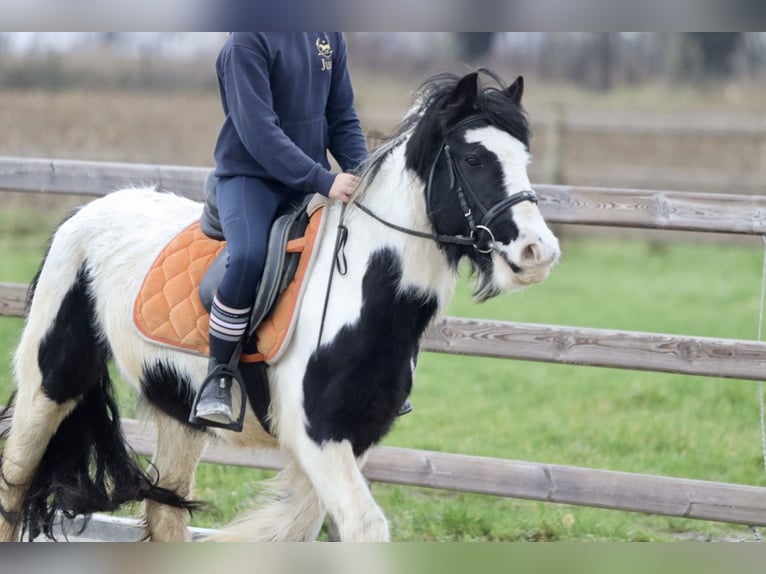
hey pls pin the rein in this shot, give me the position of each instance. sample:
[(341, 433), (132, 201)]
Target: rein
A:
[(459, 183), (339, 257)]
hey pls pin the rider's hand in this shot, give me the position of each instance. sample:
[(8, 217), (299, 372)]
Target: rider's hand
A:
[(343, 186)]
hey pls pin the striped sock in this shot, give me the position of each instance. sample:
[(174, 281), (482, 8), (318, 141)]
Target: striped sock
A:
[(227, 326)]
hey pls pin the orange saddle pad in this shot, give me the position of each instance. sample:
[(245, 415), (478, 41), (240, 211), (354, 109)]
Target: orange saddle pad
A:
[(168, 310)]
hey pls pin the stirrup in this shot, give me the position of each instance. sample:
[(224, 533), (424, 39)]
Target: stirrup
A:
[(405, 409), (212, 378)]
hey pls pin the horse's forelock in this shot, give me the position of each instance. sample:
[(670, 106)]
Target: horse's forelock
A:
[(423, 125)]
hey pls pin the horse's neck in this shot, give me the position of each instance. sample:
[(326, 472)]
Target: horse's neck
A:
[(397, 196)]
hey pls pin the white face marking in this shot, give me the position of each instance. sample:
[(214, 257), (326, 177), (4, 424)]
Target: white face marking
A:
[(511, 153), (536, 250)]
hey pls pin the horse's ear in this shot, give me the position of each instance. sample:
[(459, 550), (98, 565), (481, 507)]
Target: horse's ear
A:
[(516, 90), (462, 99)]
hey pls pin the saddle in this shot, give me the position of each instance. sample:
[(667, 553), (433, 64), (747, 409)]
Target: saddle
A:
[(173, 305)]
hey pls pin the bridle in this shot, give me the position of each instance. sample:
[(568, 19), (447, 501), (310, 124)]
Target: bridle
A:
[(460, 185)]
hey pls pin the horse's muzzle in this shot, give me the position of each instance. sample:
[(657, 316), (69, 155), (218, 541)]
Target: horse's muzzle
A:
[(531, 260)]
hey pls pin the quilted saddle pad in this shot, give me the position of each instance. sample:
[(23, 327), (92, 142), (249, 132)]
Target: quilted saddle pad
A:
[(168, 310)]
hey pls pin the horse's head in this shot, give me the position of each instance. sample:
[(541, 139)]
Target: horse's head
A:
[(471, 149)]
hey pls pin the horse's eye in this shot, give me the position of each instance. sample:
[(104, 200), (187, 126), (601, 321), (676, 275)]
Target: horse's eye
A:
[(473, 160)]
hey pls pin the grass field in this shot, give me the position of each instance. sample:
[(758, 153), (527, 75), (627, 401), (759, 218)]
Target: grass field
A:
[(631, 421), (621, 420)]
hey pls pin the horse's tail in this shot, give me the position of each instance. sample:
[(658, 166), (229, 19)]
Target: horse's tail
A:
[(82, 465), (88, 467)]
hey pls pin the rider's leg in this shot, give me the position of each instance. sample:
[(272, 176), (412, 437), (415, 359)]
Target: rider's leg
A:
[(247, 208)]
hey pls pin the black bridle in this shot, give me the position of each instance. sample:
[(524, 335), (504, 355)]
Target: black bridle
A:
[(460, 185)]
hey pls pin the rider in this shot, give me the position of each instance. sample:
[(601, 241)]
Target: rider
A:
[(287, 100)]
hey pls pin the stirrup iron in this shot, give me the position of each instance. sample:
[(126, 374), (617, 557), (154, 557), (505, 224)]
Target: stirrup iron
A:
[(213, 378)]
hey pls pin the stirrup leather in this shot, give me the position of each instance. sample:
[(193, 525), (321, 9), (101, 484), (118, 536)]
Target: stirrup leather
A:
[(212, 379)]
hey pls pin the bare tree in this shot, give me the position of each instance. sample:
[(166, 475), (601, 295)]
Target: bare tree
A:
[(472, 46), (706, 55)]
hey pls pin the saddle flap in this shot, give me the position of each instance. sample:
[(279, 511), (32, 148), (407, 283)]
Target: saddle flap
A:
[(167, 309), (276, 274)]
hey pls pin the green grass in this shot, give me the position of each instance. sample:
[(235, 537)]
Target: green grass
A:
[(621, 420), (645, 422)]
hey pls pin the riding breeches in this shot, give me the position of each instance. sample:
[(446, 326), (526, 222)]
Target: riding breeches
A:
[(247, 207)]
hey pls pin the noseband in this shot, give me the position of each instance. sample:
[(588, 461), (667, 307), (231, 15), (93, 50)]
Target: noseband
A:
[(460, 185)]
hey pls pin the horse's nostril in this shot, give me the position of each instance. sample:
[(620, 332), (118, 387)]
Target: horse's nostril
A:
[(530, 254)]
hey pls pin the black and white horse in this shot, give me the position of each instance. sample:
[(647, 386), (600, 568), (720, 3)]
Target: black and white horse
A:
[(450, 185)]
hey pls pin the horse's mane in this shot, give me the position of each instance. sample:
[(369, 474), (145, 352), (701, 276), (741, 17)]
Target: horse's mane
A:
[(424, 123)]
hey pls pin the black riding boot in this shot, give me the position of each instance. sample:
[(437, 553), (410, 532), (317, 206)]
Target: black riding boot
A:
[(221, 396), (220, 401)]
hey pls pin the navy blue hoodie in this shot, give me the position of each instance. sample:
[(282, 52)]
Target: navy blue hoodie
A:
[(287, 99)]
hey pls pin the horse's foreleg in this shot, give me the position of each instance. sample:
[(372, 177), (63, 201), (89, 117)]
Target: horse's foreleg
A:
[(336, 475), (35, 420), (175, 460), (288, 510)]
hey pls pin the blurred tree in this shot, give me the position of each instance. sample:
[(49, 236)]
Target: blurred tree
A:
[(584, 58), (599, 52), (473, 45), (706, 55)]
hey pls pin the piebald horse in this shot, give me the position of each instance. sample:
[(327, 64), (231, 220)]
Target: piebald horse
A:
[(450, 185)]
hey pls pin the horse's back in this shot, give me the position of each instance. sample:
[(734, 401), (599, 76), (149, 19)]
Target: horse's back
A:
[(120, 234), (136, 214)]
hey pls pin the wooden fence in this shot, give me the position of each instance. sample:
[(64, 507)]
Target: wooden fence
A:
[(729, 358), (693, 150), (701, 151)]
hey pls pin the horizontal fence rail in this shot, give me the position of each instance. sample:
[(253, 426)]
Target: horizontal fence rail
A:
[(656, 124), (680, 497), (96, 178), (704, 356), (710, 153), (632, 492), (107, 528), (13, 299), (672, 210)]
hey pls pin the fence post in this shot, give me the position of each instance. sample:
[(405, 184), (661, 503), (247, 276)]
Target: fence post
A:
[(762, 164), (554, 152)]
